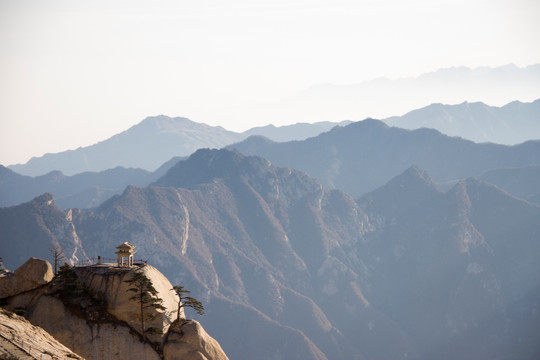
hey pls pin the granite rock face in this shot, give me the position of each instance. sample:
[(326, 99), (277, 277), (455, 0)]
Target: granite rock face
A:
[(30, 275), (111, 282), (21, 340), (189, 341), (114, 333), (93, 341)]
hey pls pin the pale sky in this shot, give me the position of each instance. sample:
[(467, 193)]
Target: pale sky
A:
[(73, 73)]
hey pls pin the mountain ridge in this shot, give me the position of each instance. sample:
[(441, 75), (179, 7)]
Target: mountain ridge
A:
[(133, 147), (83, 190), (496, 86), (70, 191), (363, 155), (153, 141), (156, 140), (511, 124), (268, 248)]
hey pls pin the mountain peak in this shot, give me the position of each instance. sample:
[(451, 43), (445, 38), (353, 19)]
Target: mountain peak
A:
[(369, 123), (206, 164), (413, 186), (6, 175), (415, 172), (44, 199), (146, 145), (412, 179), (510, 124), (164, 122), (366, 126)]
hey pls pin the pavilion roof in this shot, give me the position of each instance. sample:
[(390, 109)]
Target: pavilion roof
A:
[(125, 246)]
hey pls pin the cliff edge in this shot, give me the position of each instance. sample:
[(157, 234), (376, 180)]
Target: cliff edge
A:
[(91, 311)]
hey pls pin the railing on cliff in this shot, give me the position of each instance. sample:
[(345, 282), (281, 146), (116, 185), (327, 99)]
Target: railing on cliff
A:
[(114, 261)]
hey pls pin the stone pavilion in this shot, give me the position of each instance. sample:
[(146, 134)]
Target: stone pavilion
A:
[(125, 250)]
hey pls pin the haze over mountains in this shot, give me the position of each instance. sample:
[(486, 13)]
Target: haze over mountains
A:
[(452, 258), (83, 190), (337, 158), (511, 124), (521, 182), (169, 137), (351, 240), (382, 97), (146, 145), (154, 141), (362, 156), (288, 269)]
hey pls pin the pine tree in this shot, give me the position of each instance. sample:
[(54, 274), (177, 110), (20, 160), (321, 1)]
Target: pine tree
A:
[(58, 257), (187, 301), (145, 294), (68, 282)]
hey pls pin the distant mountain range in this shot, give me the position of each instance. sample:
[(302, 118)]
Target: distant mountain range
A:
[(521, 182), (78, 191), (452, 268), (84, 190), (289, 269), (362, 156), (156, 140), (511, 124), (355, 158), (383, 97), (146, 145), (299, 131)]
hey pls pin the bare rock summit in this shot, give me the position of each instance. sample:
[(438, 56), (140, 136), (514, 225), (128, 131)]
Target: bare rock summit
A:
[(30, 275), (97, 318)]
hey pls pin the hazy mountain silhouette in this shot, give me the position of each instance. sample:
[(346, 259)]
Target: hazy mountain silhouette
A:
[(287, 268), (520, 182), (146, 145), (299, 131), (35, 227), (154, 141), (511, 124), (83, 190), (382, 97), (89, 189), (336, 159), (364, 155), (157, 139), (455, 270)]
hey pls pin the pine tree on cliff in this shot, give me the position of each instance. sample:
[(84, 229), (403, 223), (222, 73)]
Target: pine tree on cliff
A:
[(69, 286), (187, 301), (58, 257), (145, 295)]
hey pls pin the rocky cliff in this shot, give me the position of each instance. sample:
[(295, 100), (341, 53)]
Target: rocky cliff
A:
[(111, 282), (98, 320), (30, 275), (21, 340)]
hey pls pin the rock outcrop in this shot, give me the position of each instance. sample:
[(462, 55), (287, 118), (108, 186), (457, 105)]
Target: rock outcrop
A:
[(111, 282), (30, 275), (92, 340), (19, 339), (187, 340), (110, 330)]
